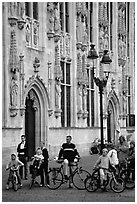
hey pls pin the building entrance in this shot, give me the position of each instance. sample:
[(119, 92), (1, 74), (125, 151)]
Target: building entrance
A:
[(30, 126)]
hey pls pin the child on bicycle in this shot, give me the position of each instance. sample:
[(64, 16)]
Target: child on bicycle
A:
[(103, 163), (13, 164)]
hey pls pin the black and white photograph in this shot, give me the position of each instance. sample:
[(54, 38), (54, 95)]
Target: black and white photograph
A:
[(68, 101)]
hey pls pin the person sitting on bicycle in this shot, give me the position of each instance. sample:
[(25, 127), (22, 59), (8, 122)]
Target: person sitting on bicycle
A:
[(103, 162), (69, 154), (131, 157), (13, 164), (37, 161)]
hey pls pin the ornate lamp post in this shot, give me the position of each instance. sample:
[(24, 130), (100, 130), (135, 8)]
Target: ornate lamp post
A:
[(101, 83)]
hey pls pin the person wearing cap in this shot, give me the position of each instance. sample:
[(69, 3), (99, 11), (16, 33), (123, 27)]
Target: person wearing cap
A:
[(122, 150), (14, 163), (23, 156), (69, 154), (103, 162)]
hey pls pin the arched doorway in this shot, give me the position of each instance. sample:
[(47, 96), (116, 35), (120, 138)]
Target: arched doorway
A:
[(30, 126), (31, 122), (36, 101), (110, 123), (113, 110)]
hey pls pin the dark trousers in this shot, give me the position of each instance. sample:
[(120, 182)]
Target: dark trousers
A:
[(43, 173), (23, 159)]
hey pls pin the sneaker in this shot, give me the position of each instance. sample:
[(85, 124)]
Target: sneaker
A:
[(7, 187), (47, 185), (41, 185), (70, 185)]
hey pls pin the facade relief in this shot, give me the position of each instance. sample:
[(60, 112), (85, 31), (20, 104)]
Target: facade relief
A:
[(54, 27)]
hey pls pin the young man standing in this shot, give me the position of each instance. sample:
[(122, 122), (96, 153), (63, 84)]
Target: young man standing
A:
[(22, 155)]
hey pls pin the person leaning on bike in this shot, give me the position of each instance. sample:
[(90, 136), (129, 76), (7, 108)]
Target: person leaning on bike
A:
[(69, 154)]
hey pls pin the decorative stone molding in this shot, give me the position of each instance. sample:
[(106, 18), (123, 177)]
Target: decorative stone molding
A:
[(21, 23), (13, 60), (58, 71), (79, 68), (113, 83), (22, 74), (12, 21), (36, 65), (85, 114), (58, 94), (79, 45), (80, 114), (13, 111), (58, 113), (13, 96), (22, 110), (50, 112), (50, 13)]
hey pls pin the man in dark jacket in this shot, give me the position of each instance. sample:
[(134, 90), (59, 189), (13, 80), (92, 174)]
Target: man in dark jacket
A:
[(44, 165), (69, 154), (22, 155)]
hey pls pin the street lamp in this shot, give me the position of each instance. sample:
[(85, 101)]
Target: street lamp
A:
[(101, 83)]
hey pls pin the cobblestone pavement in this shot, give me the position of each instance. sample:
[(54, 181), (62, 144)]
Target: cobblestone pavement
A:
[(63, 194)]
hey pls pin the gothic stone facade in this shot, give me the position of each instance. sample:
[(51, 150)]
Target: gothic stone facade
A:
[(48, 89)]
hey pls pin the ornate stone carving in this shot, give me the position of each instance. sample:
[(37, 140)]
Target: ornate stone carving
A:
[(13, 92), (50, 10), (58, 71), (28, 32), (58, 94), (80, 100), (13, 61), (36, 65), (79, 68), (85, 93), (22, 74), (84, 70)]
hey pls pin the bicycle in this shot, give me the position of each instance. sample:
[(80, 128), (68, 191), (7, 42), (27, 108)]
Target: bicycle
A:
[(14, 177), (127, 173), (77, 176), (92, 183)]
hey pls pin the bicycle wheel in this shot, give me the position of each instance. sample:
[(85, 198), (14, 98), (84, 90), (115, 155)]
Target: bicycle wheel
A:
[(79, 177), (55, 179), (91, 184), (15, 183), (129, 181), (117, 185)]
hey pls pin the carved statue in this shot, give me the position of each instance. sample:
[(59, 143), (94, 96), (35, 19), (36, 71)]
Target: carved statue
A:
[(51, 24), (106, 39), (85, 98), (101, 38), (80, 94), (58, 94), (120, 47), (78, 30), (13, 92)]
